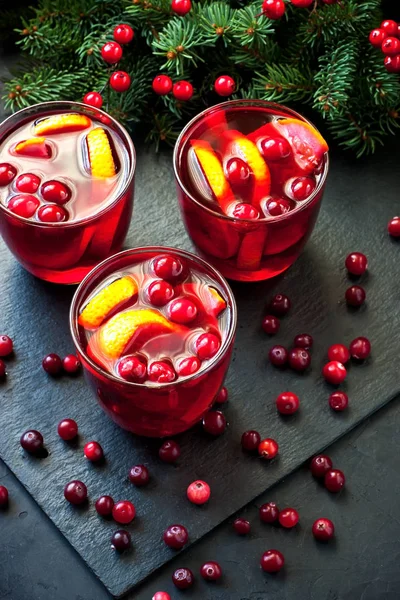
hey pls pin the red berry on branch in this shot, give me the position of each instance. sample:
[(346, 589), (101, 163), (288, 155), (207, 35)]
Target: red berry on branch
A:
[(182, 90), (356, 263), (120, 81), (391, 46), (329, 1), (376, 37), (392, 63), (181, 7), (224, 85), (273, 9), (93, 99), (389, 27), (7, 173), (111, 53), (123, 33), (162, 85), (302, 3), (394, 227)]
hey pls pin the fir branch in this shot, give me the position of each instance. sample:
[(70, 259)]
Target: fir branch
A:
[(281, 84), (177, 42), (215, 22)]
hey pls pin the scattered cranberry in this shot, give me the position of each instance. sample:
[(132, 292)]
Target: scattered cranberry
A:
[(161, 596), (355, 295), (299, 359), (71, 364), (52, 364), (323, 529), (338, 401), (188, 366), (211, 571), (338, 352), (272, 561), (251, 440), (160, 292), (288, 517), (279, 305), (278, 206), (360, 348), (271, 324), (302, 187), (67, 429), (278, 356), (268, 448), (183, 578), (237, 171), (320, 465), (199, 492), (168, 267), (75, 492), (303, 340), (104, 506), (27, 183), (3, 369), (334, 372), (222, 396), (32, 441), (6, 345), (376, 37), (394, 227), (243, 210), (275, 148), (3, 496), (51, 213), (389, 27), (176, 536), (55, 191), (161, 372), (132, 369), (123, 512), (169, 451), (23, 205), (214, 422), (207, 345), (356, 263), (121, 540), (7, 173), (182, 311), (334, 480), (93, 451), (139, 475), (287, 403), (241, 526), (269, 513)]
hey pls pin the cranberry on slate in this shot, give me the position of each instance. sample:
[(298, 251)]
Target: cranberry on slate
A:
[(272, 561), (214, 422), (188, 366), (3, 496), (287, 403), (121, 540), (320, 465), (93, 451), (275, 148), (323, 530), (132, 369), (207, 346), (183, 578), (338, 352), (52, 364), (6, 345), (268, 448), (176, 536), (160, 292), (338, 401), (67, 429), (71, 364), (269, 513), (299, 359), (334, 480), (251, 440), (182, 311), (32, 441), (211, 571), (222, 396), (161, 596), (303, 340), (27, 183), (241, 526), (360, 348), (334, 372), (168, 267), (271, 324), (278, 356), (279, 305), (288, 517), (356, 263), (75, 492), (3, 368), (7, 173), (161, 372), (139, 475), (198, 492), (123, 512), (355, 295), (394, 227), (104, 506), (169, 451)]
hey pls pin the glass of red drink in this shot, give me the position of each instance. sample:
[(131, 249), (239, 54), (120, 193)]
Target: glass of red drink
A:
[(154, 328), (66, 188), (250, 177)]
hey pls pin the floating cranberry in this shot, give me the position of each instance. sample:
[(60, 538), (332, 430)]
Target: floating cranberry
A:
[(27, 183), (323, 530), (123, 33), (207, 346), (279, 305), (376, 37), (301, 188), (251, 440), (243, 210), (168, 267), (161, 372), (176, 536), (211, 571), (334, 372), (182, 311), (93, 451), (241, 526), (394, 227), (271, 324), (71, 364), (162, 85), (214, 422), (338, 352), (183, 578), (67, 429), (111, 53), (121, 540), (160, 292), (320, 465), (139, 475), (303, 340), (123, 512), (32, 441), (199, 492), (275, 148), (268, 448), (161, 596), (132, 369), (23, 205), (237, 171), (104, 506), (355, 295), (334, 480), (222, 396), (299, 359), (187, 366), (3, 496), (3, 369), (356, 263), (55, 191), (278, 356), (288, 517), (389, 27), (287, 403), (277, 206), (269, 513), (75, 492), (52, 364), (7, 173), (6, 345), (273, 9), (52, 213), (169, 451), (272, 561), (338, 401), (360, 348)]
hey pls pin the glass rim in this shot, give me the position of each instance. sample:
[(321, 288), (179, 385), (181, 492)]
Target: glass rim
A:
[(243, 102), (75, 305), (70, 104)]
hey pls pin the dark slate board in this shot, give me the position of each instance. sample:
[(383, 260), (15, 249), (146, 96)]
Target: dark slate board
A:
[(360, 198)]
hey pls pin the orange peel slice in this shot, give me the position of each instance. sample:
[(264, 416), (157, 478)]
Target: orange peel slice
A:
[(64, 123), (307, 143), (100, 154), (217, 303), (34, 147), (106, 300), (251, 250)]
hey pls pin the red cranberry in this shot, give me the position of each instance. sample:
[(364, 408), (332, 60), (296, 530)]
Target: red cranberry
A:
[(199, 492), (75, 492), (334, 480), (376, 37), (275, 148), (7, 173), (187, 366), (32, 441), (355, 295), (394, 227), (241, 526), (302, 187), (104, 506), (338, 401), (27, 183), (323, 529), (389, 27), (269, 513), (237, 171), (207, 346), (93, 451), (243, 210), (123, 512), (334, 372), (338, 352), (161, 596), (169, 451), (182, 311), (123, 33), (268, 448), (176, 536), (320, 465), (214, 422), (3, 496), (139, 475), (360, 348), (392, 63), (303, 340), (271, 324), (67, 429), (23, 205), (278, 356), (3, 369), (183, 578), (391, 46), (71, 364), (274, 9), (287, 403), (299, 359), (121, 540), (222, 396), (288, 517), (211, 571), (279, 305), (51, 213), (6, 345), (272, 561), (161, 372), (132, 369), (162, 85), (251, 440), (52, 364), (356, 263), (160, 292), (168, 267), (277, 206)]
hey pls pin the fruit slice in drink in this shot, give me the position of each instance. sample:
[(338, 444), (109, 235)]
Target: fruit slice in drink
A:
[(213, 236), (64, 123), (33, 147), (207, 299), (105, 301), (307, 143), (251, 250)]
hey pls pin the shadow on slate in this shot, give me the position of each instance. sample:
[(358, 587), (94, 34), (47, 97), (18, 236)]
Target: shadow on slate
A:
[(360, 199)]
